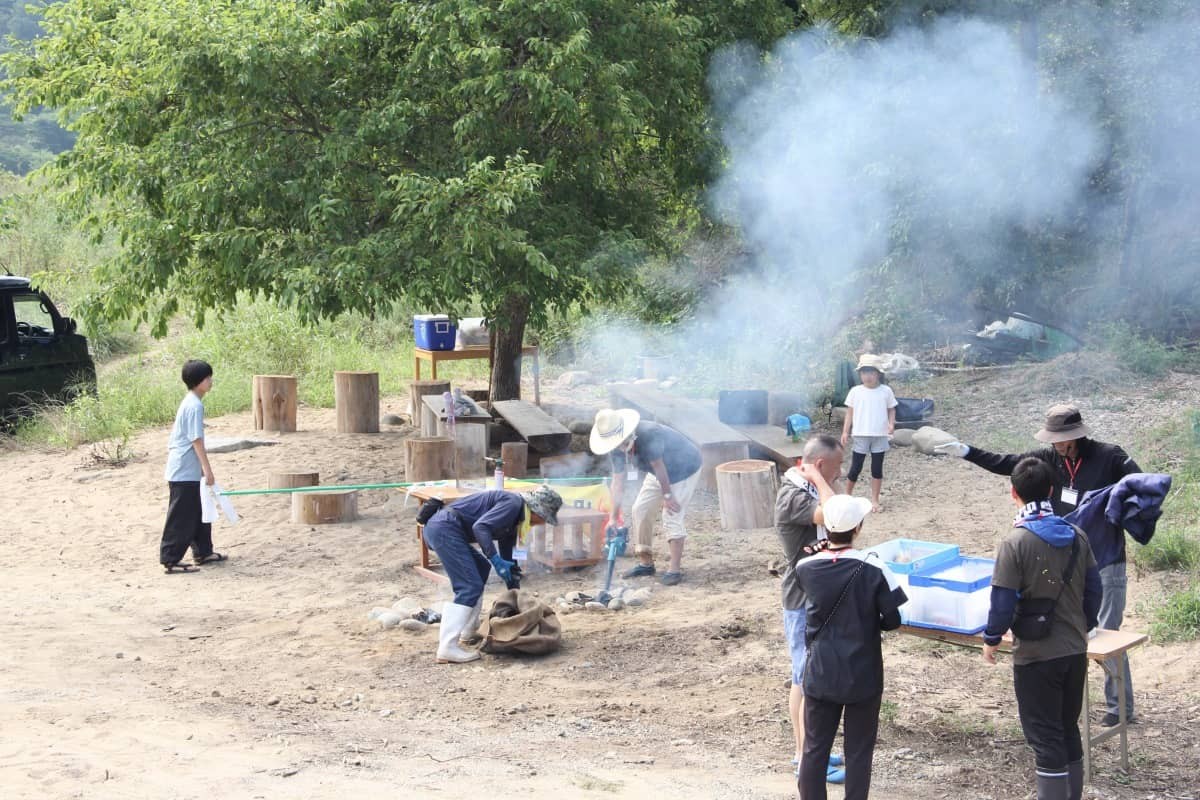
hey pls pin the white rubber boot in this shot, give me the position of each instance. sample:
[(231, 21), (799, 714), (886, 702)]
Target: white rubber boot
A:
[(470, 634), (454, 619)]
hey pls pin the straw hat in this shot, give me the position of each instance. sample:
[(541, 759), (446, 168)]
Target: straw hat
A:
[(1063, 423), (869, 361), (612, 426), (845, 513)]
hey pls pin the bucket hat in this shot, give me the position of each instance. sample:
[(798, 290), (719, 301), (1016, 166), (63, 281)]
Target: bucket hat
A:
[(870, 361), (1063, 423), (545, 502), (844, 513), (612, 426)]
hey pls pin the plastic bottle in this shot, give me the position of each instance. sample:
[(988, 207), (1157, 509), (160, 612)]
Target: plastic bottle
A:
[(499, 474)]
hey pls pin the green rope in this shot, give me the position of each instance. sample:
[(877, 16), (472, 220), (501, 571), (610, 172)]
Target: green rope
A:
[(366, 486)]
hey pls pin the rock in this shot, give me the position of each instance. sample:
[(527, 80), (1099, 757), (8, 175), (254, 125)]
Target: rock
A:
[(576, 377), (903, 437), (412, 625), (389, 619), (392, 419), (387, 712), (577, 597), (640, 597), (592, 605), (224, 444), (580, 427), (273, 700), (374, 613), (407, 606), (616, 604), (929, 437), (682, 743)]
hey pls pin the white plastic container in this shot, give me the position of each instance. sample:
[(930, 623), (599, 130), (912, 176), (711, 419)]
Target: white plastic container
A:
[(906, 556), (952, 598)]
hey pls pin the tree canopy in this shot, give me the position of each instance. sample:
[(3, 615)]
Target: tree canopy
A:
[(338, 155)]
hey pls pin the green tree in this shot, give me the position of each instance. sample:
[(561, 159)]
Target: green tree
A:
[(338, 155)]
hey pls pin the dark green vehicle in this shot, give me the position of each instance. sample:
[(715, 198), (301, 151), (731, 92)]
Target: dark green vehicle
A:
[(41, 356)]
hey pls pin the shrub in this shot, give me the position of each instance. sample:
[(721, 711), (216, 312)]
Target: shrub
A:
[(1178, 618), (1141, 354), (1172, 548)]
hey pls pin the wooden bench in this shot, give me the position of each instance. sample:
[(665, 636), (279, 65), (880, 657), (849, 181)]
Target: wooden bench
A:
[(718, 442), (772, 442), (543, 432)]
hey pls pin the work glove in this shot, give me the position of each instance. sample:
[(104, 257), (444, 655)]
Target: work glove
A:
[(956, 449), (503, 568)]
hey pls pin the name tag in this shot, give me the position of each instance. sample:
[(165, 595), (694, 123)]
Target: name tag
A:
[(631, 474), (1070, 496)]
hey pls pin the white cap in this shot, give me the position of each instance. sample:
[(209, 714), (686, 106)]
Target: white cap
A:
[(845, 513)]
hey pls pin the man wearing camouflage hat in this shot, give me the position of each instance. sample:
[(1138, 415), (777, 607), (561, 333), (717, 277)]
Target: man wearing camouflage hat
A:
[(1081, 464)]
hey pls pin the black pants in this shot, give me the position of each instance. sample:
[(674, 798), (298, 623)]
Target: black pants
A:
[(1049, 699), (820, 726), (183, 528), (856, 465)]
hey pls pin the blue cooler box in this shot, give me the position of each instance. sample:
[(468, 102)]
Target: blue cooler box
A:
[(434, 331), (954, 597), (906, 556)]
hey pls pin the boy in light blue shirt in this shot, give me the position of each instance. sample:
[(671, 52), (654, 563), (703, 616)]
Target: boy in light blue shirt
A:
[(187, 466)]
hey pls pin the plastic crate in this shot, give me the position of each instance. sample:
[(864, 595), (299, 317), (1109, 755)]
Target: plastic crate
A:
[(434, 331), (906, 556), (953, 597)]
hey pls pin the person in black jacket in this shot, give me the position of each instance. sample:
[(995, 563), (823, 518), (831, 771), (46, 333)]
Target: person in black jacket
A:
[(1081, 464), (491, 520), (848, 600)]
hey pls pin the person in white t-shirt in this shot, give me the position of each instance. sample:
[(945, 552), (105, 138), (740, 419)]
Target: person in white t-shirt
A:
[(870, 422)]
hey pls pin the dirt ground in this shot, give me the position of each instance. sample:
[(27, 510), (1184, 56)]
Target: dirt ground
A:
[(262, 677)]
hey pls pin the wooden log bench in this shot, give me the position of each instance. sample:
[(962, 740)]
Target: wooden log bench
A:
[(542, 432), (718, 442)]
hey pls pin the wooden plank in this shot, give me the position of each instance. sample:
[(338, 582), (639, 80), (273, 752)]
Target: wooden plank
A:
[(772, 442), (437, 406), (697, 421), (543, 432)]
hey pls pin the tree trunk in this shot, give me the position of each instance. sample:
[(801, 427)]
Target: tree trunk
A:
[(292, 480), (429, 459), (319, 508), (515, 457), (506, 352), (419, 389), (356, 395), (746, 492), (273, 399)]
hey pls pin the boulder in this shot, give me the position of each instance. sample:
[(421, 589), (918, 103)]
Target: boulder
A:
[(929, 437), (393, 419), (580, 427), (903, 437)]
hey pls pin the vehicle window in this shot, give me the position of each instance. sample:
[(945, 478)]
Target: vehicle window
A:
[(32, 316)]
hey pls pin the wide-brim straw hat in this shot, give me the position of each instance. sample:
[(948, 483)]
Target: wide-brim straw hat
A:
[(869, 361), (612, 426), (1064, 423)]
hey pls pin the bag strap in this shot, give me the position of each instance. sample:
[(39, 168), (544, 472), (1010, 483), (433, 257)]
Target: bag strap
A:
[(1069, 572), (841, 597)]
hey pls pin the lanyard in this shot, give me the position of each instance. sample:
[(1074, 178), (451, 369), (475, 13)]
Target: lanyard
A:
[(1072, 470)]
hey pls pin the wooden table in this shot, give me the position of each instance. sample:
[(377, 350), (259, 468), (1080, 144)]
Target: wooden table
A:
[(434, 357), (1106, 649), (427, 567)]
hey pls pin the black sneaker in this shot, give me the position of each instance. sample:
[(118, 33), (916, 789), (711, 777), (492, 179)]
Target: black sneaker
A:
[(640, 571), (1110, 719), (671, 578)]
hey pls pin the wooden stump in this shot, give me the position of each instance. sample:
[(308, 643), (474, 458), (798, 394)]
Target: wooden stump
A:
[(292, 480), (429, 458), (515, 456), (320, 508), (746, 492), (356, 395), (273, 398), (419, 389)]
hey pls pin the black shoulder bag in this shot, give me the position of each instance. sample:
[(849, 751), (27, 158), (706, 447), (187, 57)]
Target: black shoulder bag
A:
[(428, 509), (1035, 616)]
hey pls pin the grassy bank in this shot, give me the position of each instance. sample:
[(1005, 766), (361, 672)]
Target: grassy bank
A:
[(144, 389)]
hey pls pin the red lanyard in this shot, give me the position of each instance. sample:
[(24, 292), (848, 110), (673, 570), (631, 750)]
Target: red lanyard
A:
[(1072, 470)]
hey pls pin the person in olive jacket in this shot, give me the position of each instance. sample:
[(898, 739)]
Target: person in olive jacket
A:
[(1081, 464)]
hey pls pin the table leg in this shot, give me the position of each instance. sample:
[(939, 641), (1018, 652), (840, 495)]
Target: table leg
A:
[(416, 368), (537, 380), (1087, 735), (433, 367), (1122, 721)]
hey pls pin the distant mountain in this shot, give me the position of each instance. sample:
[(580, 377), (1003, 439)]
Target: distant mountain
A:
[(28, 144)]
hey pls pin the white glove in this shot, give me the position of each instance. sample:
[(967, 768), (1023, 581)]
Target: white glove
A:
[(956, 449)]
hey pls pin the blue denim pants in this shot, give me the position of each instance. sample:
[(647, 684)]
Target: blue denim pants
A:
[(1112, 613), (466, 567)]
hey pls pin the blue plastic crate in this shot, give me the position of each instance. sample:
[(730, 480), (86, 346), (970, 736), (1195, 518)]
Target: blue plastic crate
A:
[(906, 556), (434, 331), (954, 597)]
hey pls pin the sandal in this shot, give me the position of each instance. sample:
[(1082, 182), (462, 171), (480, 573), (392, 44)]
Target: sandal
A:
[(171, 569), (211, 558)]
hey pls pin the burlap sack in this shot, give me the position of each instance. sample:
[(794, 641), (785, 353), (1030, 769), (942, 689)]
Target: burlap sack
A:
[(518, 622)]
